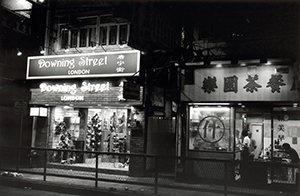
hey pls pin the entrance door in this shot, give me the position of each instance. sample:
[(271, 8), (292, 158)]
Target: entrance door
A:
[(257, 135)]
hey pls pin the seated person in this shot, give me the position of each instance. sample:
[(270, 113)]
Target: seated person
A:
[(291, 152)]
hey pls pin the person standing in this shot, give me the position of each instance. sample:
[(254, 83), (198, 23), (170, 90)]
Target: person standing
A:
[(249, 146)]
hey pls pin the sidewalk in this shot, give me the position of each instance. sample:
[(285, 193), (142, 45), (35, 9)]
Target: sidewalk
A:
[(84, 187)]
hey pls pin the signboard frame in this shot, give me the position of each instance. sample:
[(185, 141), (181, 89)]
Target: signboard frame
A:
[(84, 65)]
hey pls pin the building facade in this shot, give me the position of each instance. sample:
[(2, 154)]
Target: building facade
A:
[(89, 89)]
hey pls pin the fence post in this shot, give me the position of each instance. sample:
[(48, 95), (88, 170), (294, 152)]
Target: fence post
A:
[(96, 174), (18, 159), (156, 176), (1, 155), (226, 178), (45, 164)]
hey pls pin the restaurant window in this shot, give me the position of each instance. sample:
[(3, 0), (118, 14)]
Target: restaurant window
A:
[(209, 129)]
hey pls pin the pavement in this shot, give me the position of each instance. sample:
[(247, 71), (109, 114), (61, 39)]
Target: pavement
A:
[(14, 191), (33, 183)]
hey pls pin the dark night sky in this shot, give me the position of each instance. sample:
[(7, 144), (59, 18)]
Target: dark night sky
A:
[(271, 26)]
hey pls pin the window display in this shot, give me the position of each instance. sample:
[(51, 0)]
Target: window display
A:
[(209, 129), (102, 130), (66, 132), (107, 130)]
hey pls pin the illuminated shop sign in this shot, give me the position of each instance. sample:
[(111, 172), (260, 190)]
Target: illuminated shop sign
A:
[(256, 83), (108, 64), (73, 89), (72, 98)]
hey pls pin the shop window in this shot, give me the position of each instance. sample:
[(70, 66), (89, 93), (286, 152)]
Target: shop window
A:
[(66, 127), (107, 130), (209, 129)]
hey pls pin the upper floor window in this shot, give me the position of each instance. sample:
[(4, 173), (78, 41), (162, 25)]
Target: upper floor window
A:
[(94, 31)]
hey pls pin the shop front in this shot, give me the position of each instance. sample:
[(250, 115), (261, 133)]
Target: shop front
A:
[(85, 111), (225, 104)]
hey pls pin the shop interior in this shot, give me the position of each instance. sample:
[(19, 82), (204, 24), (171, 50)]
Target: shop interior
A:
[(274, 126), (103, 129), (219, 132)]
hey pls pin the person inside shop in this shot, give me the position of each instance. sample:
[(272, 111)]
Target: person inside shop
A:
[(293, 155), (249, 146)]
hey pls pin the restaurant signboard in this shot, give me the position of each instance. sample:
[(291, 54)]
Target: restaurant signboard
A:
[(107, 64), (256, 83)]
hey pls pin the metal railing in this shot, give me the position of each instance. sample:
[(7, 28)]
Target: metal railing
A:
[(223, 176)]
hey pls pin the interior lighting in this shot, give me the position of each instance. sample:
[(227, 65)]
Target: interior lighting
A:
[(19, 53), (295, 105)]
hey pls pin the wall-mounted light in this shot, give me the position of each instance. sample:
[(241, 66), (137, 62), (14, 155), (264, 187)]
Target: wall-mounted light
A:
[(136, 117), (42, 51), (19, 53)]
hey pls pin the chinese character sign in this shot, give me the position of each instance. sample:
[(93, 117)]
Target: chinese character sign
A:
[(209, 129), (237, 84)]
